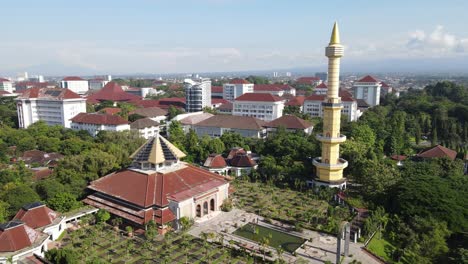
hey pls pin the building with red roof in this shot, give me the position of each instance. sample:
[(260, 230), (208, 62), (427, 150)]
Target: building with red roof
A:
[(312, 81), (385, 89), (276, 89), (297, 101), (313, 105), (321, 89), (29, 232), (112, 91), (21, 86), (95, 122), (160, 187), (438, 152), (55, 106), (217, 125), (6, 85), (368, 88), (216, 92), (97, 84), (216, 163), (75, 84), (110, 110), (240, 162), (291, 123), (155, 113), (264, 106), (236, 88)]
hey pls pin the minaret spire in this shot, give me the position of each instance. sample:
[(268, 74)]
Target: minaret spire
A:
[(335, 36), (330, 166)]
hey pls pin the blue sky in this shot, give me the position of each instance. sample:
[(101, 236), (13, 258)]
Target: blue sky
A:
[(156, 36)]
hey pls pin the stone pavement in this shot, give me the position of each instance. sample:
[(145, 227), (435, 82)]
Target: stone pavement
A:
[(319, 248)]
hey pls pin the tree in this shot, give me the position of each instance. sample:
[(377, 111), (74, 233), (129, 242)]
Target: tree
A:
[(63, 202), (62, 256), (102, 216), (173, 112), (4, 211), (176, 134), (19, 196)]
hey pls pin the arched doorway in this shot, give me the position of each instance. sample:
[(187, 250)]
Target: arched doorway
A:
[(205, 208), (198, 210), (212, 205)]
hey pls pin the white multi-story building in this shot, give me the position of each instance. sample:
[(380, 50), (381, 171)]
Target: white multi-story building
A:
[(321, 89), (236, 88), (95, 122), (313, 106), (197, 94), (263, 106), (55, 106), (6, 85), (368, 89), (75, 84), (97, 83)]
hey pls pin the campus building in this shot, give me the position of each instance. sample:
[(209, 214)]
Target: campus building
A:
[(197, 94), (76, 84), (235, 88), (55, 106), (159, 186)]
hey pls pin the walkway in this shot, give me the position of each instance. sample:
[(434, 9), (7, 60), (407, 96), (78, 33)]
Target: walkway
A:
[(319, 248)]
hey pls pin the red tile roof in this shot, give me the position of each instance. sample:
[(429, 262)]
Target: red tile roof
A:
[(40, 174), (368, 79), (49, 94), (215, 161), (149, 112), (98, 119), (384, 85), (110, 110), (226, 106), (296, 101), (289, 122), (242, 160), (322, 85), (238, 81), (219, 101), (15, 236), (259, 97), (267, 87), (112, 91), (148, 190), (307, 80), (4, 80), (37, 216), (398, 157), (438, 152), (234, 151), (216, 89), (73, 78)]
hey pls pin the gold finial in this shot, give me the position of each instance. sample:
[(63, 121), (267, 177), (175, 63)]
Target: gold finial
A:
[(335, 37)]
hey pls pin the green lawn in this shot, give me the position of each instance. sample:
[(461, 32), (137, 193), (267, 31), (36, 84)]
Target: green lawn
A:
[(381, 247), (288, 242)]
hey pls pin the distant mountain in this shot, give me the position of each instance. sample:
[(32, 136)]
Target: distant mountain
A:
[(53, 69)]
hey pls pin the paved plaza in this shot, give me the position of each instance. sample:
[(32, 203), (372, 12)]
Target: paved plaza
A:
[(318, 248)]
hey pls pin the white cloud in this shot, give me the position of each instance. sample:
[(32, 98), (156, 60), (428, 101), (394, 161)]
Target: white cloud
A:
[(439, 42)]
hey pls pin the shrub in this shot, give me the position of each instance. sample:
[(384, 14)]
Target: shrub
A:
[(227, 205)]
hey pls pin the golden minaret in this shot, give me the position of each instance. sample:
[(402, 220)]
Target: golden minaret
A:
[(330, 166)]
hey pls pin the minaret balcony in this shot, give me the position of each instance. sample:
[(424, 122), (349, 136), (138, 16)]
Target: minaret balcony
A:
[(329, 139), (339, 165)]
